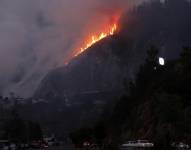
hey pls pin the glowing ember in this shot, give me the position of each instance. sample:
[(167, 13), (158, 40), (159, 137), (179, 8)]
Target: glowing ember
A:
[(95, 38)]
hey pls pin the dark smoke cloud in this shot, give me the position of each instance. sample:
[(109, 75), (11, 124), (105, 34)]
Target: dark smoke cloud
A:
[(37, 35)]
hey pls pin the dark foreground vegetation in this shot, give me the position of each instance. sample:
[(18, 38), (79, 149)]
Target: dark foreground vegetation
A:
[(156, 107), (14, 128)]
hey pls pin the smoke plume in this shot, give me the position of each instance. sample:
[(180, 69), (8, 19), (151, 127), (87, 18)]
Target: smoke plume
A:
[(38, 35)]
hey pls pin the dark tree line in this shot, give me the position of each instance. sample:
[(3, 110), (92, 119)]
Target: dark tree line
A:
[(156, 106), (17, 129)]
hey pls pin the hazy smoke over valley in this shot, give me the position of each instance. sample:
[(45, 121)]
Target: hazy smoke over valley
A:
[(37, 36)]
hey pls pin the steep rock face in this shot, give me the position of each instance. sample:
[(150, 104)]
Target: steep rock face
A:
[(96, 70)]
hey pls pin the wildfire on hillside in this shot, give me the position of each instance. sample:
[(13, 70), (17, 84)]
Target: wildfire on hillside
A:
[(92, 36), (96, 38)]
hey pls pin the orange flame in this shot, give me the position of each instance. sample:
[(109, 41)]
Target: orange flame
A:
[(95, 38)]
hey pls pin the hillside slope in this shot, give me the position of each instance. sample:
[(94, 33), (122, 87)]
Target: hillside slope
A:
[(95, 78)]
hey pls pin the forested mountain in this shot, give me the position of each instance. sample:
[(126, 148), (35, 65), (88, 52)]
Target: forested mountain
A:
[(119, 83), (105, 65)]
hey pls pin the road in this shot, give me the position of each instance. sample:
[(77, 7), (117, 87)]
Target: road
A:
[(58, 148), (66, 147), (69, 148)]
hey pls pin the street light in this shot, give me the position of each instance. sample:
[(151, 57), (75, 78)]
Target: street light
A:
[(161, 61)]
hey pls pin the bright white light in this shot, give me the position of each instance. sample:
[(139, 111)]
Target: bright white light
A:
[(161, 61)]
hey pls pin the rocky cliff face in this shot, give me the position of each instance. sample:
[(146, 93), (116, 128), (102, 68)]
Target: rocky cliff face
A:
[(97, 70)]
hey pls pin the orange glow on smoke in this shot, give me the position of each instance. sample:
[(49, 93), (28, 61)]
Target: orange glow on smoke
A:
[(101, 29), (96, 38)]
